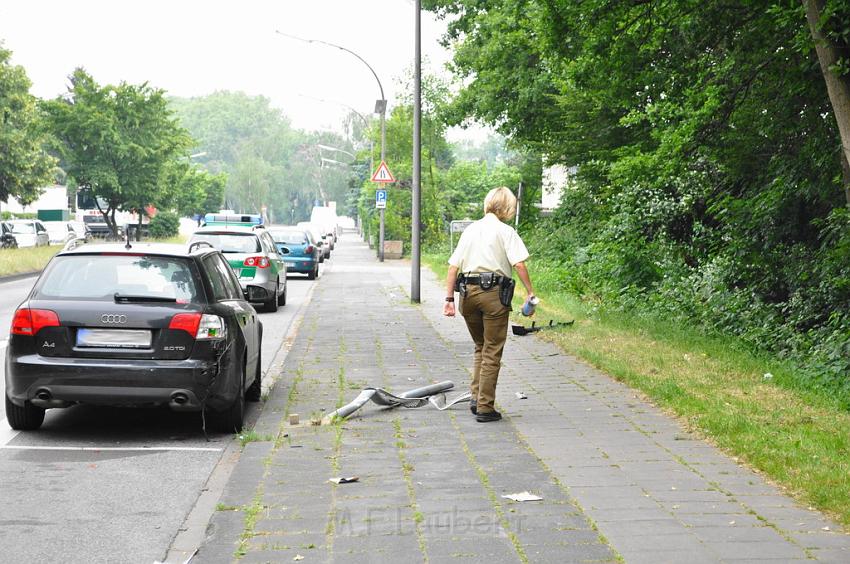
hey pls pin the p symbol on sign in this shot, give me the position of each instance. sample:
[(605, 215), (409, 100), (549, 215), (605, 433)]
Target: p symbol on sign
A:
[(380, 199)]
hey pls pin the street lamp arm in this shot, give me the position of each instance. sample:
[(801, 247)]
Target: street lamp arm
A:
[(341, 48)]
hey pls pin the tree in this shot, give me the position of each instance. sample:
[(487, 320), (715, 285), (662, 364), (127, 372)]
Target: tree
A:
[(829, 23), (25, 167), (268, 163), (192, 190), (116, 141)]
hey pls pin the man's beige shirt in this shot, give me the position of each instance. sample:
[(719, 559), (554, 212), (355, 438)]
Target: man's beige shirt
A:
[(488, 245)]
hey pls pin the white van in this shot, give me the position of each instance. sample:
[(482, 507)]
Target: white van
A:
[(326, 218)]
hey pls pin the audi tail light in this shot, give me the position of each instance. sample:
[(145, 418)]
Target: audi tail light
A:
[(261, 262), (309, 249), (30, 321), (203, 327)]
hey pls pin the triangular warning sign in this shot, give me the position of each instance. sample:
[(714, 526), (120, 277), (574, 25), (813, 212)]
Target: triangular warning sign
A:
[(383, 174)]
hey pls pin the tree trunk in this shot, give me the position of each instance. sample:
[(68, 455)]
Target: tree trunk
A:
[(845, 176), (838, 87), (139, 228)]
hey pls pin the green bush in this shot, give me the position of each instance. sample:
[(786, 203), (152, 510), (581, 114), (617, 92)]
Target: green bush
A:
[(165, 224)]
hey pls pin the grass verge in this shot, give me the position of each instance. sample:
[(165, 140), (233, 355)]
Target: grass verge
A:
[(34, 259), (27, 259), (751, 406)]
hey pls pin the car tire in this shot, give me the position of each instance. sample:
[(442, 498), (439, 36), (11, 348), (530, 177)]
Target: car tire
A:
[(230, 420), (313, 273), (26, 418), (255, 390), (281, 300), (271, 304)]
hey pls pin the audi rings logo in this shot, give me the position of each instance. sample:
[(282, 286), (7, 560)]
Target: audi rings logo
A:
[(113, 318)]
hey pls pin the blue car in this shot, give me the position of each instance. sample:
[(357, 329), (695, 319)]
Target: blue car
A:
[(299, 251)]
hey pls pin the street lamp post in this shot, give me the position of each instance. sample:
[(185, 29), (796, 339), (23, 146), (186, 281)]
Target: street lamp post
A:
[(380, 107), (417, 154)]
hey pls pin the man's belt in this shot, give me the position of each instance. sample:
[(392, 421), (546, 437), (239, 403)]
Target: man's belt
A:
[(484, 279)]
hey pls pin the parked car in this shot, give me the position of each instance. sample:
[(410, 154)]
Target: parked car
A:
[(326, 219), (60, 232), (319, 237), (152, 324), (252, 254), (7, 238), (29, 233), (298, 249)]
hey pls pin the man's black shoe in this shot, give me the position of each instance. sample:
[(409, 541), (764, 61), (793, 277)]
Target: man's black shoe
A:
[(473, 407), (488, 416)]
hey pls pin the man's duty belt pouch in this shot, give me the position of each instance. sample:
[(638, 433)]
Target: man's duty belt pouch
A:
[(506, 291), (486, 280)]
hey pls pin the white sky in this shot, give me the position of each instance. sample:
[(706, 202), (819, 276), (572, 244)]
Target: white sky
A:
[(194, 47)]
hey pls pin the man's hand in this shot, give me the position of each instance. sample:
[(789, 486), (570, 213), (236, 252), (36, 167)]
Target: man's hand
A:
[(449, 309)]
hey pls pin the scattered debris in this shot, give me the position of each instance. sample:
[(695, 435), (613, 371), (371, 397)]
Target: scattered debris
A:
[(344, 480), (522, 330), (520, 395), (293, 419), (523, 496), (440, 402), (417, 397), (297, 557), (767, 376)]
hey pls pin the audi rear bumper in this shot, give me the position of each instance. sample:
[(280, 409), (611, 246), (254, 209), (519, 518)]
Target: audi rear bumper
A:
[(59, 382)]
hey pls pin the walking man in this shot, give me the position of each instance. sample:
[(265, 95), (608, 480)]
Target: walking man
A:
[(481, 268)]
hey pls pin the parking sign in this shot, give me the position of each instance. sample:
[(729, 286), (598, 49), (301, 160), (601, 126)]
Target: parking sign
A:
[(380, 199)]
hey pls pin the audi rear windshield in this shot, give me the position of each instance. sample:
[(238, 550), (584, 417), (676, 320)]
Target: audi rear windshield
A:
[(101, 277), (230, 242)]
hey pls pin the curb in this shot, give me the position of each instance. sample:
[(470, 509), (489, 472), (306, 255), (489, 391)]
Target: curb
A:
[(19, 276), (194, 531)]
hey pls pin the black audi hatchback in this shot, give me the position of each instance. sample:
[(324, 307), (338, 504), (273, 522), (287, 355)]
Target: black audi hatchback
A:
[(151, 324)]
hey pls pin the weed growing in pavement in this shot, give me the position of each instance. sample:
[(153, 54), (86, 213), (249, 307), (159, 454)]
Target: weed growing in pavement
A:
[(252, 436), (407, 471), (251, 513), (223, 507), (491, 493)]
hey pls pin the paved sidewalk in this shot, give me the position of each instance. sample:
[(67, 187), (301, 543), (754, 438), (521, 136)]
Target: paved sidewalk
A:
[(617, 477)]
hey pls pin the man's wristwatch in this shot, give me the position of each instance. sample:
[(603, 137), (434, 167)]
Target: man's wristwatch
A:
[(450, 299)]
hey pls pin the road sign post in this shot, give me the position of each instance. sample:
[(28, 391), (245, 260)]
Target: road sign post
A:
[(382, 175)]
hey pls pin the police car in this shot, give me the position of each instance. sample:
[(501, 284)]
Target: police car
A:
[(251, 253)]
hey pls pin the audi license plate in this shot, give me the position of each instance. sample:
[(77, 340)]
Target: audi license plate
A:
[(114, 338)]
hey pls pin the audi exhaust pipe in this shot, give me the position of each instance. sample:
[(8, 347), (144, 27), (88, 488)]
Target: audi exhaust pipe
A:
[(44, 398), (182, 400)]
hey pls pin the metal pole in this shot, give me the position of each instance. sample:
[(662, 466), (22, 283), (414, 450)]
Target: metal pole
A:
[(417, 153), (383, 155), (518, 204)]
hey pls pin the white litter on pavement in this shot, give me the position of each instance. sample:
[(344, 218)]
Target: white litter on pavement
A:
[(523, 496), (344, 480), (520, 395)]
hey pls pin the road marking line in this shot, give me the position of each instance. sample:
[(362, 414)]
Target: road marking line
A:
[(110, 449), (6, 433)]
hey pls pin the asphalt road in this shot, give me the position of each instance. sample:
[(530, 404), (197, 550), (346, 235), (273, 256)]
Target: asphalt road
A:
[(110, 485)]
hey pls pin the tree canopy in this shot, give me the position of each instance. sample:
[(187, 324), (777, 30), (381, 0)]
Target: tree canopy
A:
[(711, 179), (116, 142), (25, 167)]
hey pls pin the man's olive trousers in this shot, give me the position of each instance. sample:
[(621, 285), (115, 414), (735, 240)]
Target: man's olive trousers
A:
[(487, 321)]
